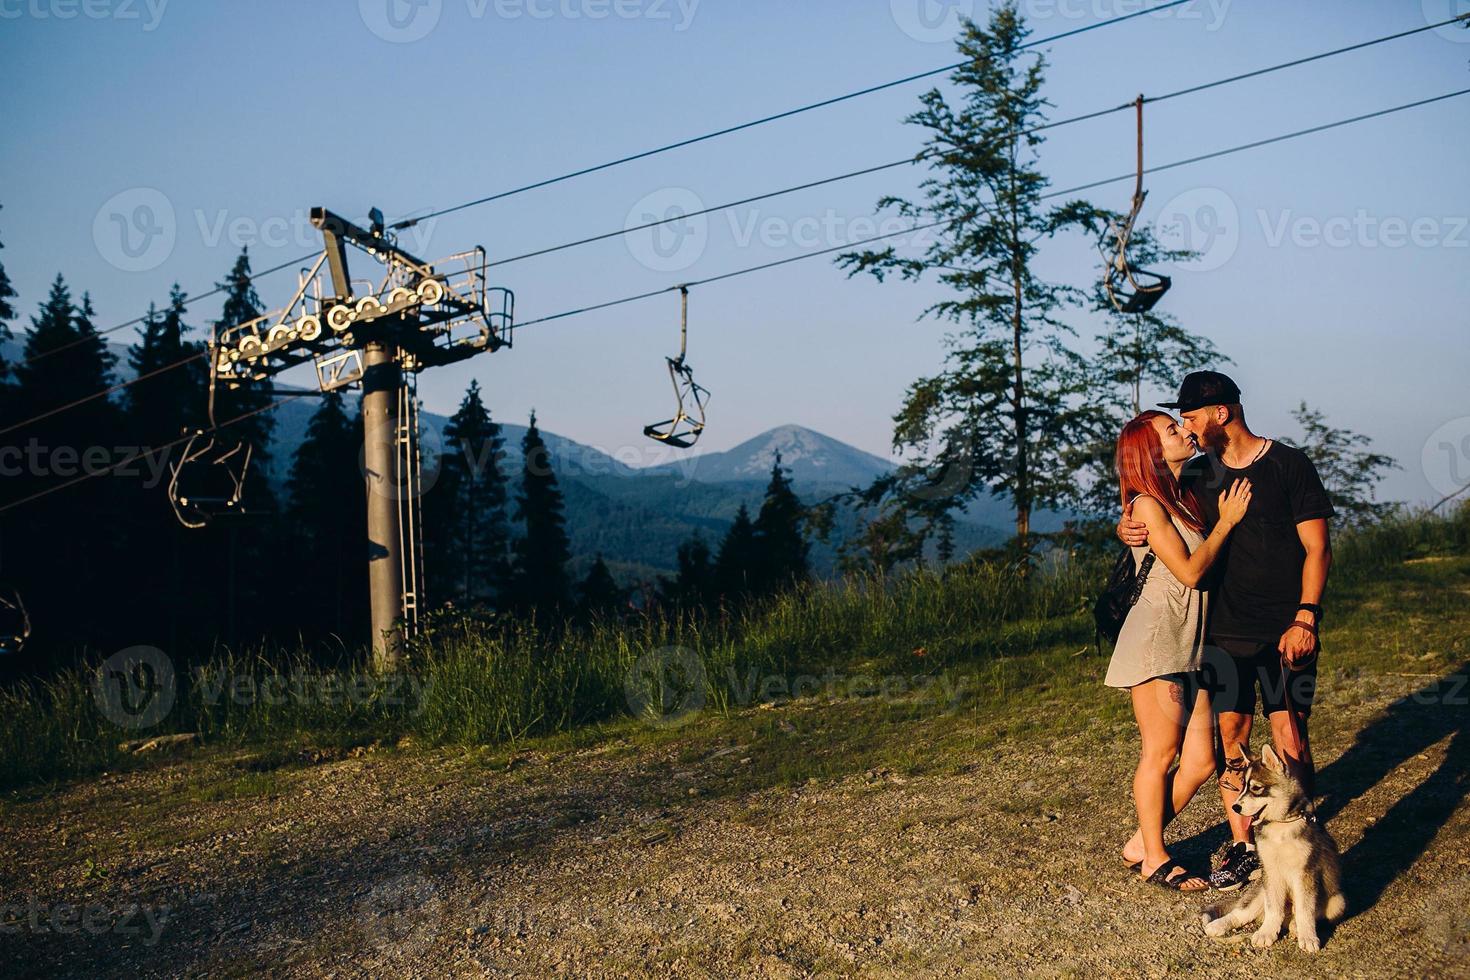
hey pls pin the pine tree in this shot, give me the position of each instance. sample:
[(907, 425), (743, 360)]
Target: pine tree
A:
[(541, 555), (157, 410), (599, 593), (7, 314), (241, 304), (1012, 399), (467, 533), (329, 517), (70, 538), (778, 526), (1349, 469), (737, 566), (694, 585), (161, 407)]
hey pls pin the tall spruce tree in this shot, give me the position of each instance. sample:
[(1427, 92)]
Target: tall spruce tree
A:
[(1134, 350), (599, 593), (329, 521), (541, 584), (242, 303), (737, 567), (1349, 468), (157, 410), (693, 586), (69, 538), (7, 314), (779, 525), (467, 532), (161, 407), (1012, 400)]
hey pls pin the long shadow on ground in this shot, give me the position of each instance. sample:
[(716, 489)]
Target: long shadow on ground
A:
[(1407, 727)]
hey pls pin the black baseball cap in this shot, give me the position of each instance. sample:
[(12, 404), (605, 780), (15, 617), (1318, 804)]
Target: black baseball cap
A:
[(1201, 388)]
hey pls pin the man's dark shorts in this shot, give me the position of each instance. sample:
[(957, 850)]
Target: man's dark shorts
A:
[(1232, 679)]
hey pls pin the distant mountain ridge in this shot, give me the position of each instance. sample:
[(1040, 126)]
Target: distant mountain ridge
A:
[(637, 517), (809, 456)]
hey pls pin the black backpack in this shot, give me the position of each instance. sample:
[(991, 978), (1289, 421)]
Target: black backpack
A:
[(1122, 591)]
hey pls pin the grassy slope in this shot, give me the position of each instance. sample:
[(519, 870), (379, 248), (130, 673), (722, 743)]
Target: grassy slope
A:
[(831, 834)]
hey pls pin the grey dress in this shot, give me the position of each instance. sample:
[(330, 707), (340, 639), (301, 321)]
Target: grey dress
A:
[(1165, 630)]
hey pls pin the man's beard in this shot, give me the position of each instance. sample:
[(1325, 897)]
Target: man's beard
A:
[(1213, 437)]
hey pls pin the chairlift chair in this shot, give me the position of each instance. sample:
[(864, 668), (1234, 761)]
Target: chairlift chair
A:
[(1129, 288), (209, 479), (683, 430), (15, 623)]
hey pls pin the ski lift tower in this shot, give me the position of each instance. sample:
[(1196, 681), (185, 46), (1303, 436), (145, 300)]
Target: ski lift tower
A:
[(376, 335)]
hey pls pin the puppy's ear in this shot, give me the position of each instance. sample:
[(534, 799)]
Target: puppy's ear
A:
[(1272, 760)]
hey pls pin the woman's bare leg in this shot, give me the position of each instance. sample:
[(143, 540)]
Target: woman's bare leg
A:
[(1163, 720), (1196, 765)]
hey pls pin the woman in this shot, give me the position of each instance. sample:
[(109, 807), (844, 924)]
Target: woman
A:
[(1159, 651)]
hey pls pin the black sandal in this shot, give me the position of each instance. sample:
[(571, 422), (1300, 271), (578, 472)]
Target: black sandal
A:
[(1161, 878)]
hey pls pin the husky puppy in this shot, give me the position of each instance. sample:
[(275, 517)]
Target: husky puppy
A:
[(1299, 862)]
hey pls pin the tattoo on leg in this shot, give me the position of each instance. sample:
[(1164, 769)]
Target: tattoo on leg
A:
[(1176, 692)]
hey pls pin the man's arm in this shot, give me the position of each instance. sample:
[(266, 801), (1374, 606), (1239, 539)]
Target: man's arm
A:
[(1132, 533), (1296, 643)]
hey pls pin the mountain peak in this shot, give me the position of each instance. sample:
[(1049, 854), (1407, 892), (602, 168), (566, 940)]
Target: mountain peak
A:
[(809, 456)]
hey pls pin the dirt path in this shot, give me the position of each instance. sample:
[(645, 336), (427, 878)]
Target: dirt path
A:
[(630, 860)]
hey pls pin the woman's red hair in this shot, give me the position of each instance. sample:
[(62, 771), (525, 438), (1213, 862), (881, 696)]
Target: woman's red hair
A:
[(1141, 469)]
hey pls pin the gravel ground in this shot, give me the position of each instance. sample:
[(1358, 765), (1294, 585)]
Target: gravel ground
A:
[(632, 859)]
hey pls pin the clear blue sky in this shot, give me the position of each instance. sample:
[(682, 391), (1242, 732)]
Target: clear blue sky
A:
[(242, 116)]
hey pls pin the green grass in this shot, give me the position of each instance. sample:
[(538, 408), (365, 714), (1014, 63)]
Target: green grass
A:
[(988, 634)]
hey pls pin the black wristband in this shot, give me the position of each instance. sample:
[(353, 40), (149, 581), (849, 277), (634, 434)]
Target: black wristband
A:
[(1312, 608)]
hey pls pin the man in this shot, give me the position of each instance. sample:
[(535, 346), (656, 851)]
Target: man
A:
[(1265, 590)]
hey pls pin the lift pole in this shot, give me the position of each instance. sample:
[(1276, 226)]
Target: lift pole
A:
[(379, 335), (381, 380)]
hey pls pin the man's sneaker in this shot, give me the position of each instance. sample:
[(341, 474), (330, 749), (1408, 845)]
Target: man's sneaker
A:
[(1239, 866)]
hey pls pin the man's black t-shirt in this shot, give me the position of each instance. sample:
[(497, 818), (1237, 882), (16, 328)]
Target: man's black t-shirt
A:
[(1255, 584)]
